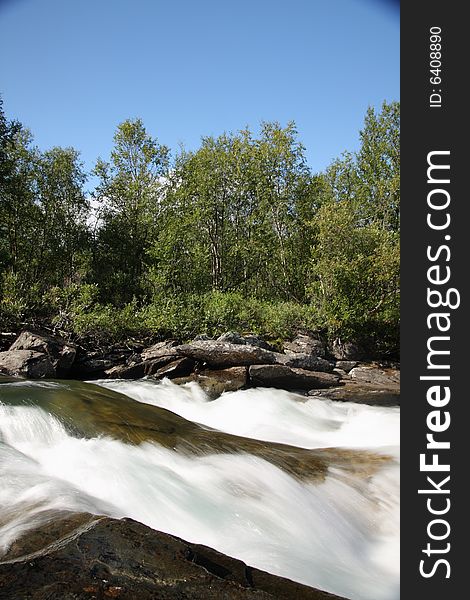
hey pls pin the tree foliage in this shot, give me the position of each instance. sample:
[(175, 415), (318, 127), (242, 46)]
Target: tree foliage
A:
[(238, 233)]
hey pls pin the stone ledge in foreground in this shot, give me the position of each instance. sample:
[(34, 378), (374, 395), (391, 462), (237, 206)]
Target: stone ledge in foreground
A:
[(88, 557)]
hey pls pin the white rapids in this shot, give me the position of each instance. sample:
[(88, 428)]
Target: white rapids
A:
[(341, 535)]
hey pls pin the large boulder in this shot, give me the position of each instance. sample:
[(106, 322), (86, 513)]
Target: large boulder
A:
[(225, 354), (287, 378), (80, 557), (61, 353), (218, 354), (26, 363)]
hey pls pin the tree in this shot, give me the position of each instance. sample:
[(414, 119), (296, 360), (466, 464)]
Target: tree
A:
[(130, 192), (62, 241), (354, 274)]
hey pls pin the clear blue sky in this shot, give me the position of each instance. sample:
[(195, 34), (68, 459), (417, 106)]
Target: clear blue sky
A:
[(72, 70)]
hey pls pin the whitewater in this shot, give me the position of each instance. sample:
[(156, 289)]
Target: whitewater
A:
[(340, 534)]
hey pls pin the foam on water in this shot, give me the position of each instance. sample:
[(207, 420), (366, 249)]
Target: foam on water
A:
[(340, 535), (272, 415)]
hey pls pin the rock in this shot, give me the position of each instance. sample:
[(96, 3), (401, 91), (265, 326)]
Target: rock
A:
[(166, 348), (254, 340), (305, 344), (233, 337), (216, 382), (361, 393), (376, 376), (306, 361), (177, 368), (95, 411), (346, 365), (6, 340), (341, 374), (26, 363), (60, 352), (91, 367), (287, 378), (81, 557), (221, 354), (149, 367), (125, 371), (224, 354), (347, 350), (202, 337)]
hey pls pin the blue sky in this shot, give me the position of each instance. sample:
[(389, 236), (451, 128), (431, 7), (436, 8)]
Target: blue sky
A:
[(71, 71)]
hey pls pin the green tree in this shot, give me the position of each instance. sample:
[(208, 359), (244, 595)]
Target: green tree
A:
[(62, 240), (130, 192)]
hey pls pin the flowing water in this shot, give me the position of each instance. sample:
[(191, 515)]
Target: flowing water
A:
[(113, 449)]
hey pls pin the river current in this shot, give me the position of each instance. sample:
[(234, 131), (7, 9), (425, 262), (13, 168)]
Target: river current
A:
[(94, 448)]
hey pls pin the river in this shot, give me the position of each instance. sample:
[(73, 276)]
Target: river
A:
[(113, 448)]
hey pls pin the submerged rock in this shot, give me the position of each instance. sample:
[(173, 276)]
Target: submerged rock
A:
[(26, 363), (88, 410), (81, 557)]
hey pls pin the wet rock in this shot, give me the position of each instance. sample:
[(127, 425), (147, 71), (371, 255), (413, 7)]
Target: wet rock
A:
[(306, 344), (90, 411), (61, 353), (216, 382), (26, 363), (376, 376), (287, 378), (82, 557)]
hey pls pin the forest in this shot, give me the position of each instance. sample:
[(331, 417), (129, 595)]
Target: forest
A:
[(238, 234)]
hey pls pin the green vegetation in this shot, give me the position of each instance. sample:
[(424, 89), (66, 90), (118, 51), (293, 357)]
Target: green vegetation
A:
[(238, 234)]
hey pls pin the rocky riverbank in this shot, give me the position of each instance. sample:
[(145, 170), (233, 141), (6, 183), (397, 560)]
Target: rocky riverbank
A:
[(228, 363)]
